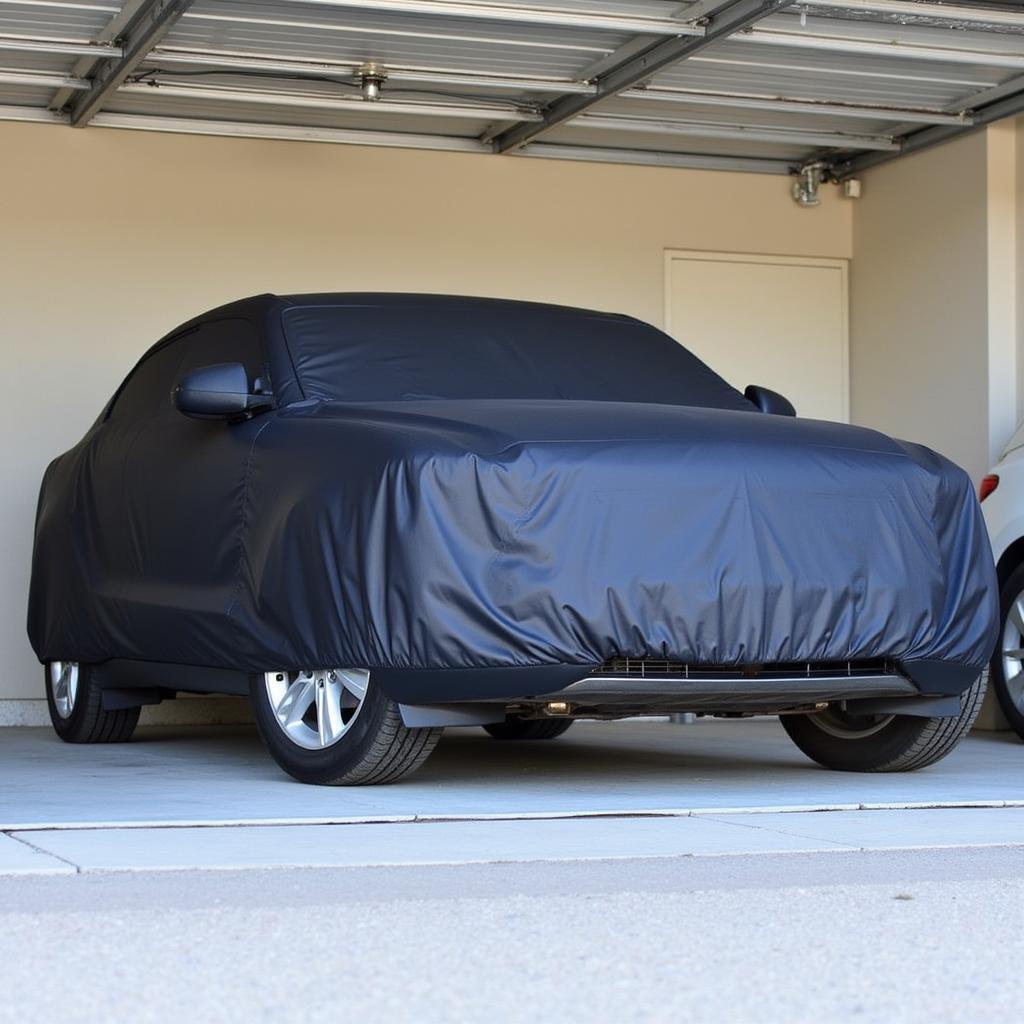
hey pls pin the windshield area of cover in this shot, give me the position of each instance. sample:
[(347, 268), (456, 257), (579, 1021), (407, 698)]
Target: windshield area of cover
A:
[(433, 347)]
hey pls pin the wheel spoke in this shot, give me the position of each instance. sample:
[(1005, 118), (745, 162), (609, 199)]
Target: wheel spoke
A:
[(72, 684), (1015, 689), (323, 715), (1017, 614), (354, 680), (838, 722), (296, 701), (64, 686), (60, 687), (328, 709), (1017, 653)]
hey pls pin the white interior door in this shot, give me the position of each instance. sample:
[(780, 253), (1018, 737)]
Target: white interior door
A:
[(778, 321)]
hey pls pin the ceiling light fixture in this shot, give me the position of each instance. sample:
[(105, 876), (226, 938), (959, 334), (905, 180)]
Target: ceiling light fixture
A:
[(371, 78)]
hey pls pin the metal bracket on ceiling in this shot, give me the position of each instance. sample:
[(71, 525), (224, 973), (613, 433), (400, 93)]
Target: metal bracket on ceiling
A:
[(812, 174), (809, 177)]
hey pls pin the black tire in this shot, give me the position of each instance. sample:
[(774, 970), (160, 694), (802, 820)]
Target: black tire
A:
[(899, 743), (88, 722), (377, 749), (529, 729), (1012, 708)]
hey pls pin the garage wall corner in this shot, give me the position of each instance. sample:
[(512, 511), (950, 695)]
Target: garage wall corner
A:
[(934, 326), (1019, 252), (1004, 358)]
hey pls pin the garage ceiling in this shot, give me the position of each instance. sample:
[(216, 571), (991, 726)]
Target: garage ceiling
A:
[(758, 85)]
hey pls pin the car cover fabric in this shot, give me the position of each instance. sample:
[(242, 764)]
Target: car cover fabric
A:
[(412, 533), (379, 348)]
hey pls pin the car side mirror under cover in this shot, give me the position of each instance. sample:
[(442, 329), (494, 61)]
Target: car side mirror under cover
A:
[(769, 401), (220, 391)]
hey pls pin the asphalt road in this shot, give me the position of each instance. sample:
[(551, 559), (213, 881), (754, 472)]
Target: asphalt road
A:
[(928, 936)]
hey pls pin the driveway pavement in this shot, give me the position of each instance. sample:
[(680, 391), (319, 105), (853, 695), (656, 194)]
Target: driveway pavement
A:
[(923, 937)]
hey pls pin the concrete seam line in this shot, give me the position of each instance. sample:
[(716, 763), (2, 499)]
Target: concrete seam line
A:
[(326, 865), (410, 819), (42, 852)]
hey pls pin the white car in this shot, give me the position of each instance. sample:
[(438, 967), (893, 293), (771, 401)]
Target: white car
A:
[(1002, 497)]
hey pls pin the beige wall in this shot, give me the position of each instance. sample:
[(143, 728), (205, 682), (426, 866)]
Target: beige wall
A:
[(109, 238), (1019, 239), (935, 325), (919, 301), (1002, 186)]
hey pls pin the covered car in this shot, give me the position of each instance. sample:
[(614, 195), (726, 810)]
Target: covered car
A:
[(384, 514)]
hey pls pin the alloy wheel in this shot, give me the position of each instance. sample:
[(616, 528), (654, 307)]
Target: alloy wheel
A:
[(1012, 652), (64, 686), (840, 723), (315, 708)]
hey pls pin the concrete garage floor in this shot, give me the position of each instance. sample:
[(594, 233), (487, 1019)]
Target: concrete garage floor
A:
[(625, 789), (223, 775), (634, 871)]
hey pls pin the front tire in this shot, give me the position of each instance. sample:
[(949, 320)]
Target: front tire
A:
[(882, 743), (333, 727), (76, 707)]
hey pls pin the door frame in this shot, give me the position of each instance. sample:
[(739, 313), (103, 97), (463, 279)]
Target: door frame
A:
[(770, 259)]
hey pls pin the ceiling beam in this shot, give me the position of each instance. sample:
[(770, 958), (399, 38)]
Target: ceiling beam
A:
[(519, 14), (86, 65), (889, 48), (33, 115), (286, 132), (654, 158), (1009, 87), (381, 31), (923, 12), (739, 132), (324, 101), (45, 79), (901, 115), (273, 65), (276, 66), (61, 47), (150, 24), (400, 140), (730, 17), (928, 137)]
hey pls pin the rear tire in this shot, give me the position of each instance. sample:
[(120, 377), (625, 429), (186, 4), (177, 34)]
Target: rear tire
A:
[(76, 707), (528, 729), (882, 743), (1008, 660), (359, 740)]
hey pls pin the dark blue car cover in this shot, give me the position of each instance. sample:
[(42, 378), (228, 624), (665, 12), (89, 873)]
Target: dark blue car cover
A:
[(455, 488)]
